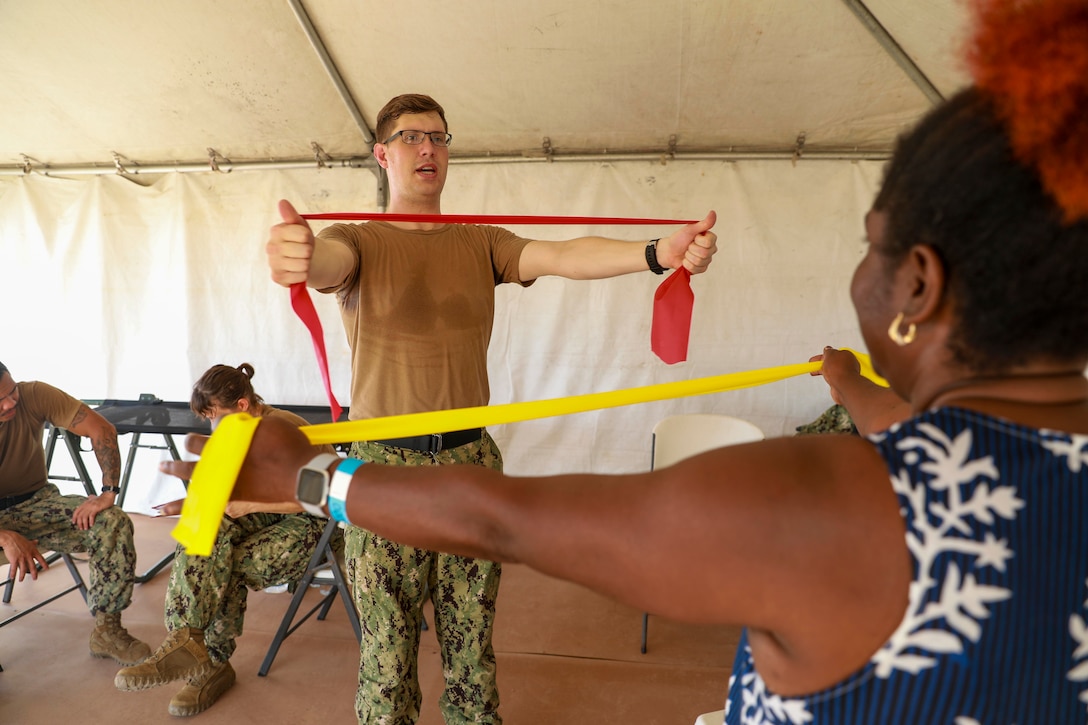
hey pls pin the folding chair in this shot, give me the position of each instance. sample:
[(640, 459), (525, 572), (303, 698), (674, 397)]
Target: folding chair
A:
[(9, 584), (681, 436), (323, 558), (72, 442)]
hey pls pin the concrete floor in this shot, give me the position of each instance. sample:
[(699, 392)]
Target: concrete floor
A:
[(565, 656)]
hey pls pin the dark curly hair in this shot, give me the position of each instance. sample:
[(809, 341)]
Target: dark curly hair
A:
[(223, 385), (1014, 248)]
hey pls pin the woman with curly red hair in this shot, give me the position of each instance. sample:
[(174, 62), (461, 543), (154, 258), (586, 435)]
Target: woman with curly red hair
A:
[(936, 572)]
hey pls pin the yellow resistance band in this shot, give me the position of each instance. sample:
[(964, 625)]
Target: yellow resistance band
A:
[(213, 478), (214, 475)]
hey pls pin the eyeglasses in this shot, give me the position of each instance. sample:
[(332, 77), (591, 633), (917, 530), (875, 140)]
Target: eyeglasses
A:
[(415, 138)]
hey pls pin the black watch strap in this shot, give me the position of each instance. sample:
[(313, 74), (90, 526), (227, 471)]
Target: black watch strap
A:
[(111, 489), (651, 257)]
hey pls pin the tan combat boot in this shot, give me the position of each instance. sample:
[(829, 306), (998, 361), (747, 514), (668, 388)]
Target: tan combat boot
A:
[(202, 692), (110, 639), (182, 654)]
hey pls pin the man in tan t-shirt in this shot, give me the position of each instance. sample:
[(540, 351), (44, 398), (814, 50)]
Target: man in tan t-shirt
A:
[(34, 516), (417, 300)]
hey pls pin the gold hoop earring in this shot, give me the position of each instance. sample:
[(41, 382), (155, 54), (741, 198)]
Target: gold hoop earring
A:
[(898, 337)]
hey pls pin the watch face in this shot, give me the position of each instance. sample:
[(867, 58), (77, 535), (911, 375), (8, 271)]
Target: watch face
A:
[(313, 486)]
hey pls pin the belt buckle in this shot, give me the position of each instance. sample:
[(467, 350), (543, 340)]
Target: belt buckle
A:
[(436, 443)]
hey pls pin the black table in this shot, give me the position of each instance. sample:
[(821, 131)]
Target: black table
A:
[(139, 417), (149, 415), (170, 418)]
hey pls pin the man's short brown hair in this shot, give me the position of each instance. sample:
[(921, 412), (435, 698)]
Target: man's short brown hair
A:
[(406, 103)]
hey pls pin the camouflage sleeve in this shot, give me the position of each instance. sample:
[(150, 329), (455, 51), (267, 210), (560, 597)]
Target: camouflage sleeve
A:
[(833, 420)]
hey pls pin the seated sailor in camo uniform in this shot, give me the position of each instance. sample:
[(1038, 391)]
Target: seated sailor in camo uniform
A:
[(35, 517), (258, 545)]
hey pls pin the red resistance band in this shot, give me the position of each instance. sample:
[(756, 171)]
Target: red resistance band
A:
[(304, 308), (487, 219), (673, 301)]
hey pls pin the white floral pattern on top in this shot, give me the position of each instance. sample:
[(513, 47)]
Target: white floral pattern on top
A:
[(760, 707), (956, 505), (972, 499), (1079, 631), (1075, 451)]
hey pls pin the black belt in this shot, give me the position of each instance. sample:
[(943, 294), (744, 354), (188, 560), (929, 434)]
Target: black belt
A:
[(7, 502), (435, 442)]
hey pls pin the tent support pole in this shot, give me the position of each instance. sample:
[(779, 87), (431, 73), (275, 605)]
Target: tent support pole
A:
[(331, 69), (134, 170), (892, 48)]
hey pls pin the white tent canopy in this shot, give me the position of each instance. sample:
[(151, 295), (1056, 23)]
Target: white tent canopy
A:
[(124, 280), (164, 82)]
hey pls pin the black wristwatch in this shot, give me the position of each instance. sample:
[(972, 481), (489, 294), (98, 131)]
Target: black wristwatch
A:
[(312, 488), (651, 257), (111, 489)]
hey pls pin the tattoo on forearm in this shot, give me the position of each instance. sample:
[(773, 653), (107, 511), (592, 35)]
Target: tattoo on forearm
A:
[(109, 459)]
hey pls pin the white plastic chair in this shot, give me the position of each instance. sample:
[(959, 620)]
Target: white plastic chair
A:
[(681, 436), (711, 718)]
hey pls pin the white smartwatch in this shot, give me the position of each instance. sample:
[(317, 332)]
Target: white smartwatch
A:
[(312, 488)]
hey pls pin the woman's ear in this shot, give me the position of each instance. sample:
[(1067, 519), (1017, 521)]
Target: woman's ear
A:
[(926, 279), (243, 405)]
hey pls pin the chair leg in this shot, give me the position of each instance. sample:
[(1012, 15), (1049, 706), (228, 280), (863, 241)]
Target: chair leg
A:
[(77, 585), (9, 583), (422, 618), (340, 586), (322, 555), (326, 604), (80, 585), (285, 627), (645, 625)]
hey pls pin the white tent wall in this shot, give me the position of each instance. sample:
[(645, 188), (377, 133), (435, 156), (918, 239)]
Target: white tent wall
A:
[(114, 289)]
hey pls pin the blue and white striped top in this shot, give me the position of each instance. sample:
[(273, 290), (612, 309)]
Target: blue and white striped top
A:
[(995, 631)]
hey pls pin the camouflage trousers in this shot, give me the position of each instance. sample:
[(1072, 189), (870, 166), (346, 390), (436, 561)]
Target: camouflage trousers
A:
[(47, 518), (255, 551), (390, 582), (835, 419)]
